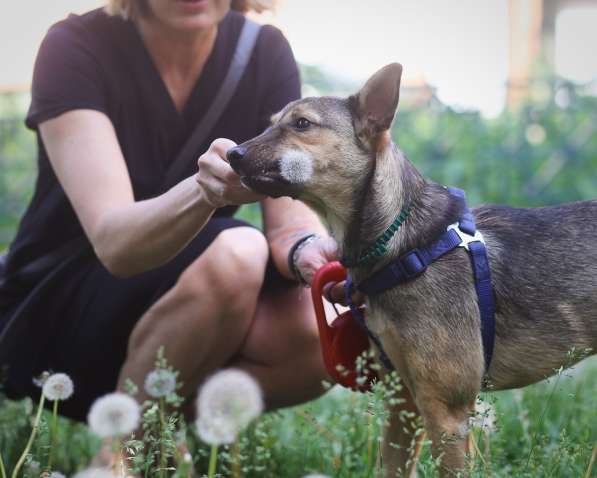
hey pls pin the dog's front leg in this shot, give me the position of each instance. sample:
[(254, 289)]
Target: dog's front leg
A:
[(447, 427), (401, 445)]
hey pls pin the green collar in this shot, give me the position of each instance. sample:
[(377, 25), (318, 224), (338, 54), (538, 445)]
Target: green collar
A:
[(380, 246)]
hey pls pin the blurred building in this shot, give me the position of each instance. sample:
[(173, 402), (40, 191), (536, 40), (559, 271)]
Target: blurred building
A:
[(532, 39), (416, 92)]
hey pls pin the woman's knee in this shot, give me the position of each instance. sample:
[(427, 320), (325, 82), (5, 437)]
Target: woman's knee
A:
[(232, 267)]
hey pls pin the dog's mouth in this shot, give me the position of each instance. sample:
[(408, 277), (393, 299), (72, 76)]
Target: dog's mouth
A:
[(271, 184)]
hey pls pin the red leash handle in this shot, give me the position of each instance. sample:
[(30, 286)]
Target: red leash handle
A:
[(344, 340), (329, 273)]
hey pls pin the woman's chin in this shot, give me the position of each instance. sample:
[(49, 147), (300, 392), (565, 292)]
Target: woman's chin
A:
[(191, 15), (193, 23)]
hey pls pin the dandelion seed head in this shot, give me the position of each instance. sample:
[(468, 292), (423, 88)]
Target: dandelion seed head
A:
[(114, 414), (96, 473), (160, 382), (40, 380), (216, 431), (34, 466), (232, 397), (56, 474), (58, 386)]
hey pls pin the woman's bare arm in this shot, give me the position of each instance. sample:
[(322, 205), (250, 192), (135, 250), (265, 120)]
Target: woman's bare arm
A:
[(132, 236), (286, 221)]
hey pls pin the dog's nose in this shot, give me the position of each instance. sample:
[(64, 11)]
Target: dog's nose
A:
[(235, 156)]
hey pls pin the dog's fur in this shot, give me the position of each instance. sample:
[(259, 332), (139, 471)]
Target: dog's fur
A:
[(344, 165)]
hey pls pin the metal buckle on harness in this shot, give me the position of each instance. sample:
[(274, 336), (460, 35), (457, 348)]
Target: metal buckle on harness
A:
[(466, 239)]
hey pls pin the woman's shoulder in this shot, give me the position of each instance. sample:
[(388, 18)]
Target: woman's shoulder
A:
[(271, 41), (75, 64), (91, 29)]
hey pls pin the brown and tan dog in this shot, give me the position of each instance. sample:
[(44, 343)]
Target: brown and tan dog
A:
[(336, 155)]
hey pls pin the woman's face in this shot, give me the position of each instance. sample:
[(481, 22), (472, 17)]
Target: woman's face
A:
[(188, 14)]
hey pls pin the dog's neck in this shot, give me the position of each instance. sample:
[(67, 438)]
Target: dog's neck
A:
[(392, 185)]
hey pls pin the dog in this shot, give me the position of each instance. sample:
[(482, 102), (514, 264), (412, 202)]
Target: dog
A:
[(336, 155)]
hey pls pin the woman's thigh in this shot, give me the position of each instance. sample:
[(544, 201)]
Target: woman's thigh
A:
[(92, 342), (282, 347)]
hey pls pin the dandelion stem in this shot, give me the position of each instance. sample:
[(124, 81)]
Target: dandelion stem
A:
[(19, 464), (2, 469), (162, 438), (370, 464), (53, 437), (591, 462), (236, 457), (211, 472)]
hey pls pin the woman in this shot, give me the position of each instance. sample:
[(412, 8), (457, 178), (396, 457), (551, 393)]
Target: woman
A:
[(108, 264)]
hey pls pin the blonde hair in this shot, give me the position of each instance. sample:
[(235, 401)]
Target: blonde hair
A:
[(132, 8), (122, 8)]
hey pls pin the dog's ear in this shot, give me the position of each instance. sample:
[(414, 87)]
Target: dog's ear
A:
[(374, 106)]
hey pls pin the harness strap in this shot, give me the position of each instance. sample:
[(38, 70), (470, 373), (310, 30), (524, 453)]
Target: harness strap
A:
[(486, 301), (409, 265), (357, 314), (413, 263)]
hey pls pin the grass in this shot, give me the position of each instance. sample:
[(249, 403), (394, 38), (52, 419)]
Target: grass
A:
[(545, 430)]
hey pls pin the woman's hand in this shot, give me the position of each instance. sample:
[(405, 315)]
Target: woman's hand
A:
[(314, 255), (219, 184)]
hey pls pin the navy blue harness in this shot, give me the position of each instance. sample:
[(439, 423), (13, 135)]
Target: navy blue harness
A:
[(413, 263)]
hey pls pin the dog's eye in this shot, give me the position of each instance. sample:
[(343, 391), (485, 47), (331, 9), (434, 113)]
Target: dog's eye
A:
[(302, 123)]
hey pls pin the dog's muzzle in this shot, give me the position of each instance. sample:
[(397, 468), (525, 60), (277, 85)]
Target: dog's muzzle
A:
[(235, 158), (259, 175)]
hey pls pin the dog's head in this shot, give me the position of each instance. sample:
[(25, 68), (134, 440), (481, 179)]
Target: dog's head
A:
[(317, 146)]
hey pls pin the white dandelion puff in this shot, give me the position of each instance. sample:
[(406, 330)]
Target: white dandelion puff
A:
[(34, 467), (216, 431), (58, 386), (56, 474), (96, 473), (160, 382), (40, 380), (114, 414), (296, 166), (229, 399)]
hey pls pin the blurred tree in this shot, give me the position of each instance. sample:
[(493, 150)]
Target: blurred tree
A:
[(545, 153)]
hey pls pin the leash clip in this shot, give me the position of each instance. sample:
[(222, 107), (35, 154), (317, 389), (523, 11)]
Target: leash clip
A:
[(466, 239)]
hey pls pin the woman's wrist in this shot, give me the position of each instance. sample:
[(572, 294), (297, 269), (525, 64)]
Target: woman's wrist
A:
[(293, 254), (202, 200)]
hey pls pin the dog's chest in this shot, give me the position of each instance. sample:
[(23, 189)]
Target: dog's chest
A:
[(378, 317)]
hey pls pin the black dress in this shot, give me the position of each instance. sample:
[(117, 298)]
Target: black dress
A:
[(71, 314)]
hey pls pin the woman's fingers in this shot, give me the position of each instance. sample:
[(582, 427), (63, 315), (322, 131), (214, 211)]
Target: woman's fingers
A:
[(314, 255), (334, 293), (221, 146), (220, 184)]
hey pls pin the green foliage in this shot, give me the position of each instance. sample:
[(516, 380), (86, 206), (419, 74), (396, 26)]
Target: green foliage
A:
[(545, 430), (17, 159), (543, 154)]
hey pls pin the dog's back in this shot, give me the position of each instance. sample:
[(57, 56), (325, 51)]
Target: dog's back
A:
[(544, 270)]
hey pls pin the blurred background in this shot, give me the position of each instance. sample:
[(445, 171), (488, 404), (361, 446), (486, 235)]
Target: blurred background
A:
[(498, 97)]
